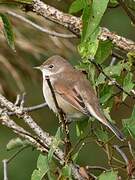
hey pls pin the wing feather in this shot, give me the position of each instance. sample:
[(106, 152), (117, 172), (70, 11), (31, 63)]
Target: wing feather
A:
[(72, 96)]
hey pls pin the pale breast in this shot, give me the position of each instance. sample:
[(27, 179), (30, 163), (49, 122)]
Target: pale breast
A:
[(63, 104), (48, 96)]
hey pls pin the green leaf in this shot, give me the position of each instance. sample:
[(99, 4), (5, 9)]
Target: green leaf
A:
[(83, 66), (131, 55), (111, 71), (7, 29), (103, 51), (77, 5), (42, 168), (75, 156), (106, 93), (14, 143), (53, 168), (81, 127), (66, 172), (128, 84), (113, 3), (114, 70), (91, 74), (100, 79), (109, 175), (55, 144), (107, 114), (92, 16), (88, 48), (129, 124), (102, 135)]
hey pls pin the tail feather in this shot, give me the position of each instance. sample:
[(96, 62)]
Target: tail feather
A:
[(99, 116), (116, 131)]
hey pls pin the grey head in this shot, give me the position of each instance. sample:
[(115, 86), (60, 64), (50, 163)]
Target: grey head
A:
[(53, 65)]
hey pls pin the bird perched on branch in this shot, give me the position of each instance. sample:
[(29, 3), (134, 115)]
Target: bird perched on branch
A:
[(73, 92)]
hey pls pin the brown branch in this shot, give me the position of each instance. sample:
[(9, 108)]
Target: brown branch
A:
[(20, 113), (6, 121), (42, 144), (119, 41), (74, 24), (127, 10)]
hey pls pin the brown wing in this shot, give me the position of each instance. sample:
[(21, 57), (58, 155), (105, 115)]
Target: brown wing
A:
[(70, 94)]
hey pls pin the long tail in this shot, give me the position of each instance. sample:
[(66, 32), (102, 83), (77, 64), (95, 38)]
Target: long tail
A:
[(113, 128), (116, 131), (99, 116)]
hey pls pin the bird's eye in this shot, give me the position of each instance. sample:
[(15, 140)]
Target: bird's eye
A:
[(50, 66)]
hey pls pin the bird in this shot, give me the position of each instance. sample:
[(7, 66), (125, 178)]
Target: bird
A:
[(73, 91)]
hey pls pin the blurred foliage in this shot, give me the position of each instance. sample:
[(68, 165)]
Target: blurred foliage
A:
[(31, 49)]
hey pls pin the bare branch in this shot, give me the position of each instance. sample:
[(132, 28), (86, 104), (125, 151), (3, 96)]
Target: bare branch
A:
[(47, 31), (119, 41), (28, 120), (127, 10), (123, 155), (45, 140), (6, 121), (74, 24), (32, 108)]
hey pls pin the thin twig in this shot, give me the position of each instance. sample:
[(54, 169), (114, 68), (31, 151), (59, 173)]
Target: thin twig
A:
[(118, 56), (123, 155), (96, 168), (63, 120), (131, 150), (7, 161), (127, 10), (113, 158), (113, 60), (32, 108), (17, 100), (16, 153), (99, 67), (22, 100), (5, 170), (47, 31)]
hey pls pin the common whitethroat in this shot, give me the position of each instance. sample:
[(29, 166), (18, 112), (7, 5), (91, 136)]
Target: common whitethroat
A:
[(74, 94)]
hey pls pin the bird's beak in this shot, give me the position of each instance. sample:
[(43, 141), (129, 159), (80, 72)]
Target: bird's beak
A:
[(37, 67)]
